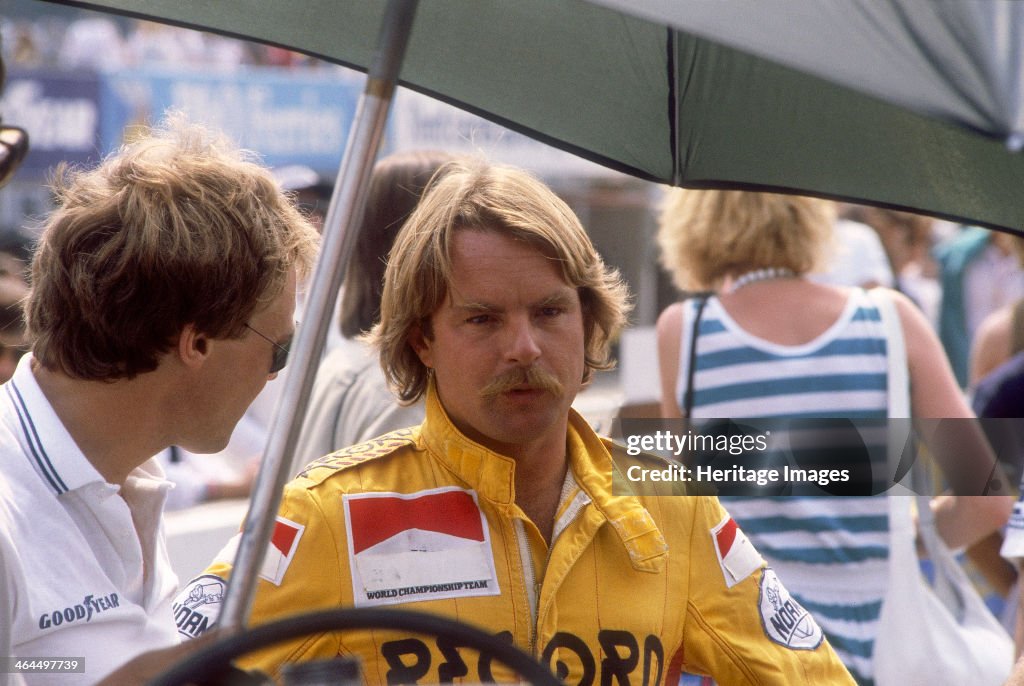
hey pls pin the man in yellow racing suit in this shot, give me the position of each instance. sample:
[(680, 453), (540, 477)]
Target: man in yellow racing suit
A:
[(499, 509)]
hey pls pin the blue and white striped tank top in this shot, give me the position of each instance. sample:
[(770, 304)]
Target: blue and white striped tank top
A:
[(831, 552)]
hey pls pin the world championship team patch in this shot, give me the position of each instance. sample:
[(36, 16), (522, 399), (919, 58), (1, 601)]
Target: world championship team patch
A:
[(428, 545), (737, 556), (784, 620)]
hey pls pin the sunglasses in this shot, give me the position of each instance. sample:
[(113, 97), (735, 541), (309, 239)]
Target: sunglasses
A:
[(280, 358), (15, 351), (13, 148)]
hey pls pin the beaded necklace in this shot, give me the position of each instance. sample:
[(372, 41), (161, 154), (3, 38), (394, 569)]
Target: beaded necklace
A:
[(760, 275)]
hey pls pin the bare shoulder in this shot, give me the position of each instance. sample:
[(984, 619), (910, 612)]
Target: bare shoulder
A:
[(911, 317), (670, 321), (992, 344), (995, 329)]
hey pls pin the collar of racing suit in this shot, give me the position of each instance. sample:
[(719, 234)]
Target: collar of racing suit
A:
[(492, 475)]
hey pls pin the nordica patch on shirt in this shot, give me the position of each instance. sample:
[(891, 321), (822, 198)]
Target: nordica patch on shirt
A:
[(427, 545), (197, 607), (737, 556), (784, 620)]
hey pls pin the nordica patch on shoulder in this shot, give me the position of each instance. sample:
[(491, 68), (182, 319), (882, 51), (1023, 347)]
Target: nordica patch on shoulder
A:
[(737, 556), (197, 607), (357, 454), (784, 620)]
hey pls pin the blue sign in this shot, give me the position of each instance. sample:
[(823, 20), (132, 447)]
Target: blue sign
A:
[(60, 111), (288, 117)]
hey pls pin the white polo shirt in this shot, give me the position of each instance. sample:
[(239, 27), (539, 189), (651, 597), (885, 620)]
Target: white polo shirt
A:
[(85, 572)]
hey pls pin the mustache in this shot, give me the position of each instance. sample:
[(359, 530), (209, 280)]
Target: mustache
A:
[(523, 377)]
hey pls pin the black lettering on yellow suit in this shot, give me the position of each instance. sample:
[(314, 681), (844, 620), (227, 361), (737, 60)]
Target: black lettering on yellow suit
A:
[(409, 660), (453, 666), (483, 668), (615, 664), (400, 671), (575, 644), (653, 649)]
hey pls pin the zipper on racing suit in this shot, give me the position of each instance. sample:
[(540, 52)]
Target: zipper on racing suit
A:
[(530, 580)]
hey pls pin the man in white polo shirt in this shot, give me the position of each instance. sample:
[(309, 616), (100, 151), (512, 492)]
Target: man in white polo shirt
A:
[(163, 293)]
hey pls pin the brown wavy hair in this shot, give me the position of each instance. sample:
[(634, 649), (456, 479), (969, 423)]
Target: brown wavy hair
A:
[(469, 194), (396, 185), (179, 227)]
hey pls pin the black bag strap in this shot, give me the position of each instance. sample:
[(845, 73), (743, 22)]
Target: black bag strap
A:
[(1017, 327), (702, 300)]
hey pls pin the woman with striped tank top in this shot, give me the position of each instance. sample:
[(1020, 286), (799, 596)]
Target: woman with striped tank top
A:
[(773, 344)]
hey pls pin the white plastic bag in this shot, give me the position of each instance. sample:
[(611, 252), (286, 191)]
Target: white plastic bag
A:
[(921, 641)]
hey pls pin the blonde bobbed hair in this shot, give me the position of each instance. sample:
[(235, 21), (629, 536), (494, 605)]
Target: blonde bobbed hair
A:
[(707, 235)]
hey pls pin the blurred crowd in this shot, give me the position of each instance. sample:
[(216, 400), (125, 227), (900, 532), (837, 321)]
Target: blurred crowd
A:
[(100, 43)]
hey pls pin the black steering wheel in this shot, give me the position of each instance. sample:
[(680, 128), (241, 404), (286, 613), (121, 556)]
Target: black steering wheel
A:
[(215, 657)]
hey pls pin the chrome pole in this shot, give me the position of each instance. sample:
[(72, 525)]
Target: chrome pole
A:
[(345, 211)]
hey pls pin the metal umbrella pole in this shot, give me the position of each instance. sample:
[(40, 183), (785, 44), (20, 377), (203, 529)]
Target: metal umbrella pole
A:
[(347, 204)]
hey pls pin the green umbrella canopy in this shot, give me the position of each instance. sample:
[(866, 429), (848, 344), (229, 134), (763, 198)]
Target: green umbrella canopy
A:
[(653, 101)]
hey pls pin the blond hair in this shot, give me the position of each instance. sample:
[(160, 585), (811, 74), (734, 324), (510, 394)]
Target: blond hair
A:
[(179, 227), (706, 235), (471, 195)]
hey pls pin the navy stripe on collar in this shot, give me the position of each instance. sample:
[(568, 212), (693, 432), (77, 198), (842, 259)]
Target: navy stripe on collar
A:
[(35, 445)]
